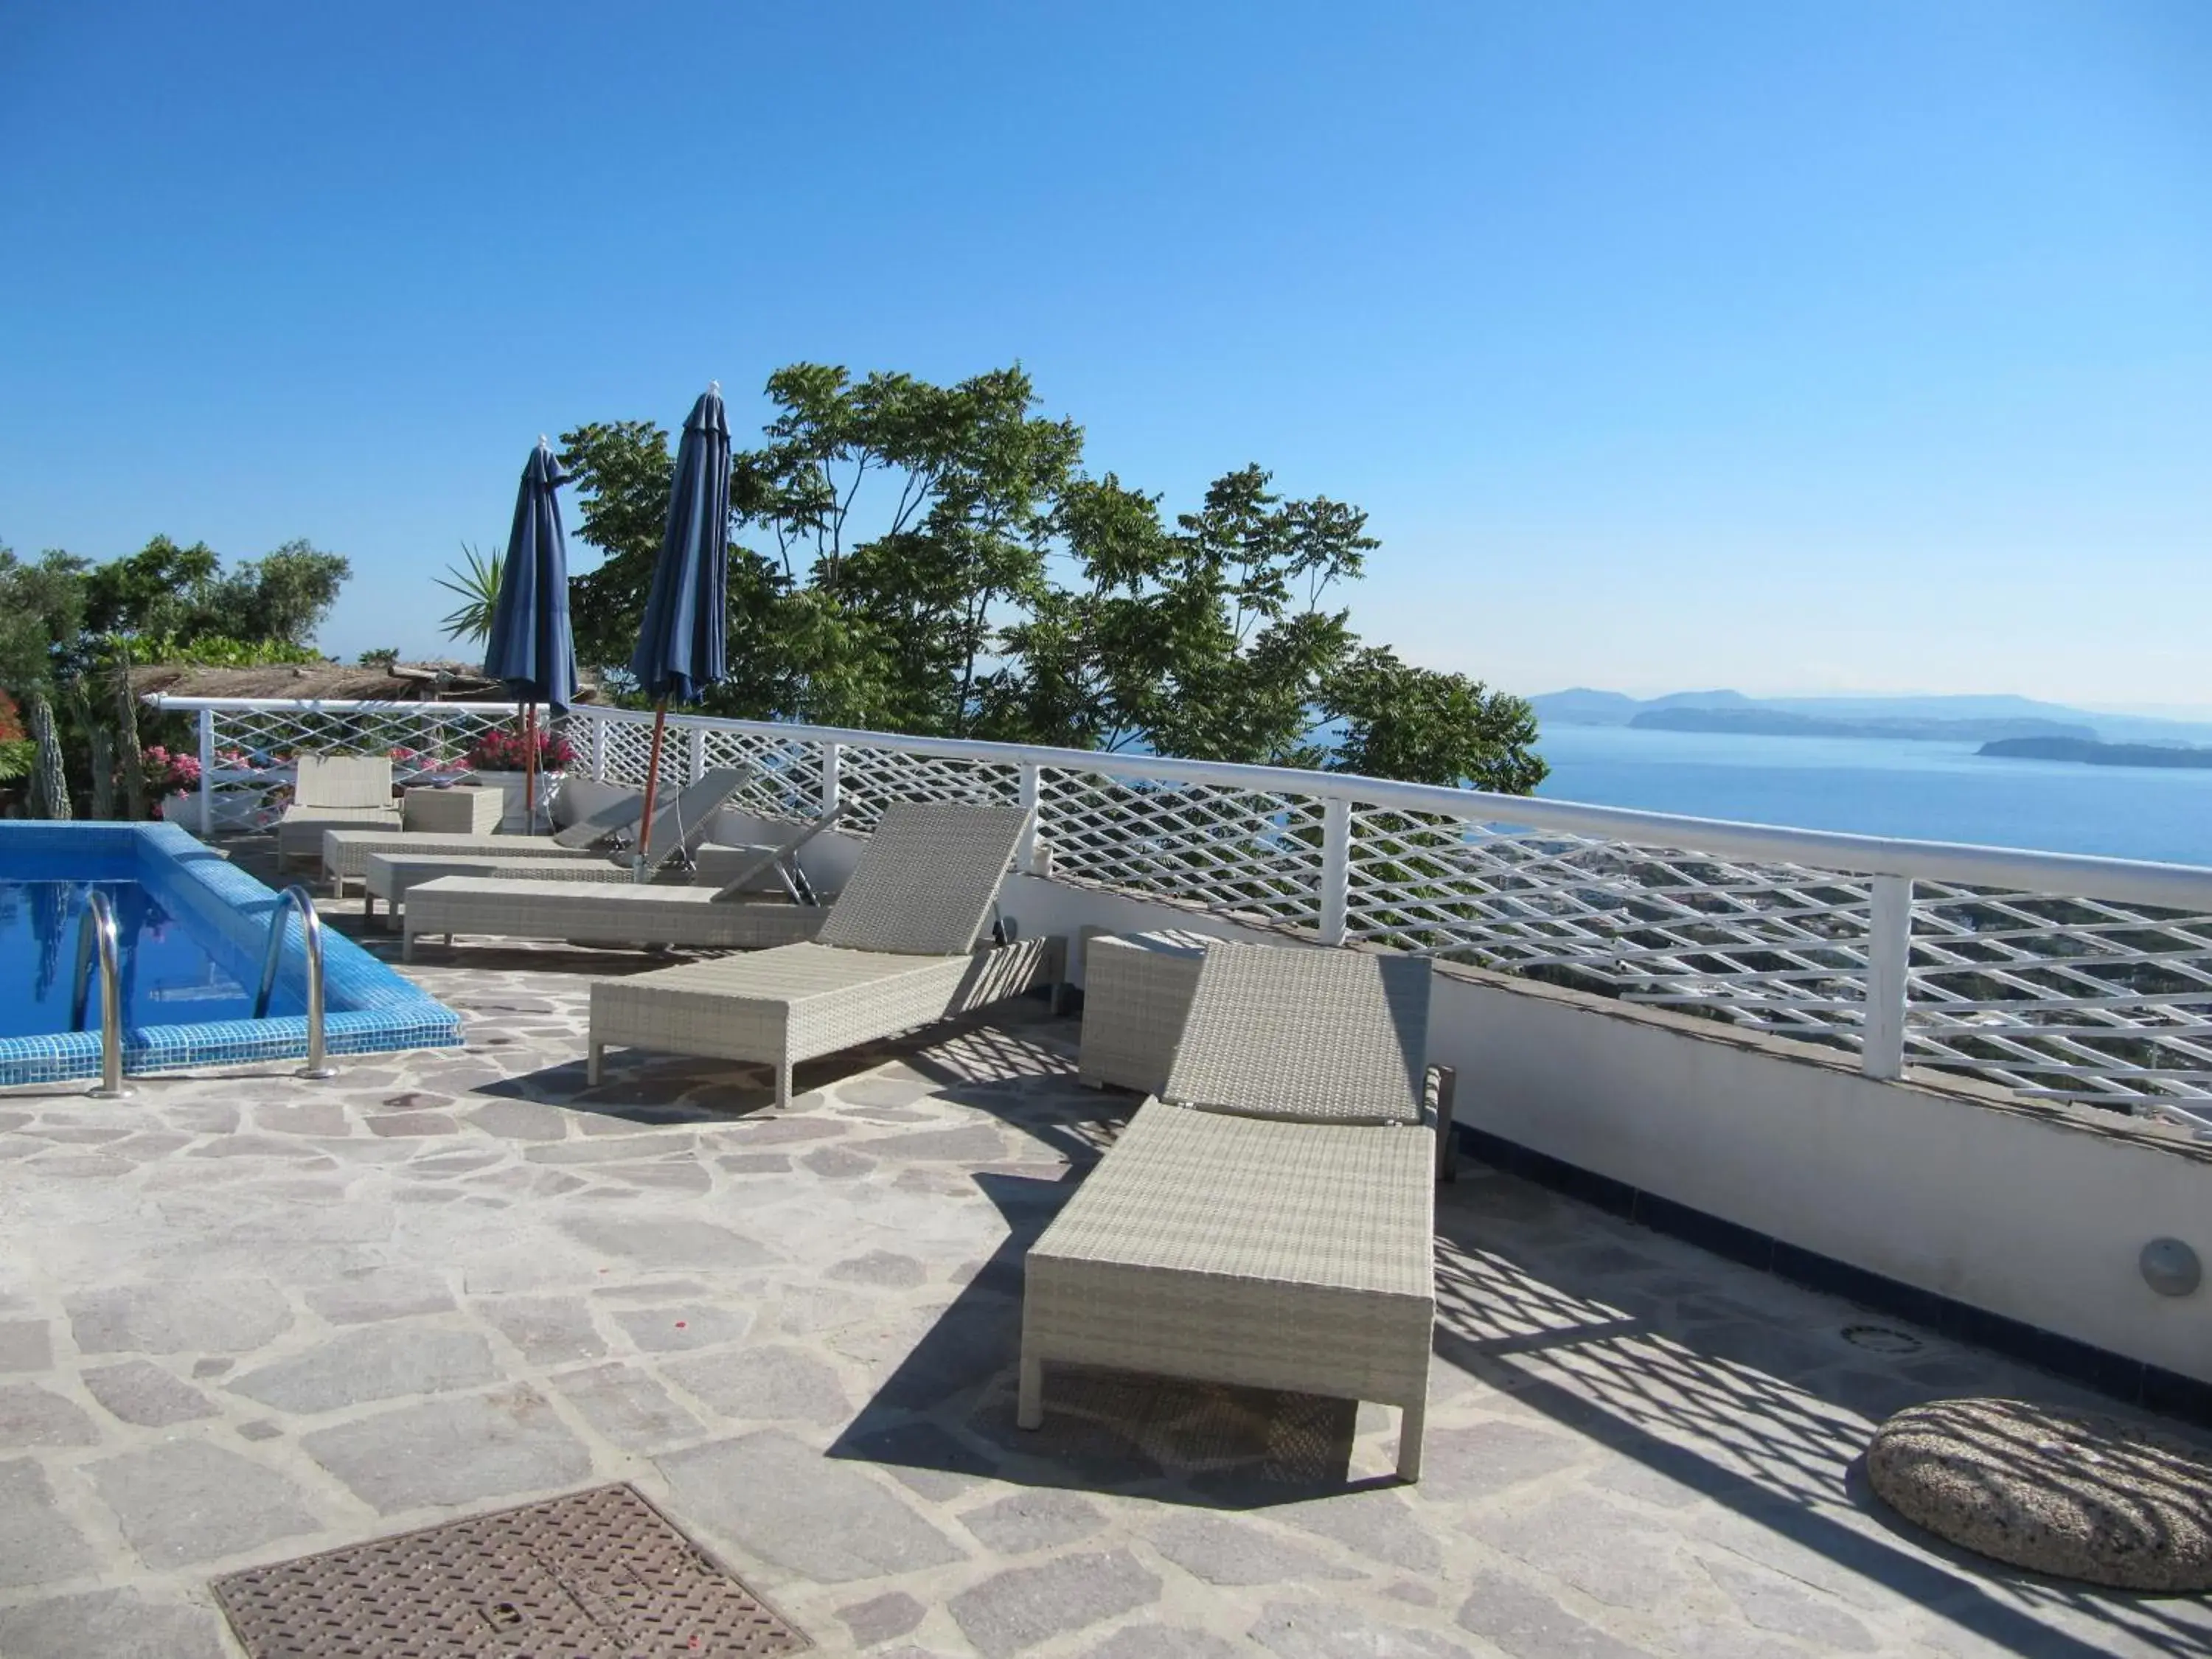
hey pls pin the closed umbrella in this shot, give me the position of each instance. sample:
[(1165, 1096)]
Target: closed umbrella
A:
[(682, 647), (527, 646)]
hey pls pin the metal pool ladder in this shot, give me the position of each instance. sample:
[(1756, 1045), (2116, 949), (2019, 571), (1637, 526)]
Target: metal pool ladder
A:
[(95, 930), (297, 896)]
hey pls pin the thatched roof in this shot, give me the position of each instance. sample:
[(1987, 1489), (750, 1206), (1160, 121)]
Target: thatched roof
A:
[(433, 681)]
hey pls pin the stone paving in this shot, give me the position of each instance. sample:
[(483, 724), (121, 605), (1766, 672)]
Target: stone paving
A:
[(243, 1317)]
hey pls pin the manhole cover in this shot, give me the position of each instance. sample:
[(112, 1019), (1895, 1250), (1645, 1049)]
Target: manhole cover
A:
[(596, 1575), (1882, 1338)]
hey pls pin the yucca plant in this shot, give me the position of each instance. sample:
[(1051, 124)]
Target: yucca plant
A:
[(476, 580)]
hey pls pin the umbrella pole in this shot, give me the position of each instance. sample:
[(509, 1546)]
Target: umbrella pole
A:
[(529, 768), (651, 782)]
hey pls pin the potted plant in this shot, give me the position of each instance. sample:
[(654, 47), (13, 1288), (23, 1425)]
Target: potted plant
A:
[(498, 758), (173, 783)]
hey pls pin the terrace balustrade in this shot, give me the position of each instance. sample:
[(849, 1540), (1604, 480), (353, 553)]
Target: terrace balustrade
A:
[(2060, 978)]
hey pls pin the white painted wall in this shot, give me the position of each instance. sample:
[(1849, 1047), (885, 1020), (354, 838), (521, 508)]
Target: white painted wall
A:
[(2036, 1216)]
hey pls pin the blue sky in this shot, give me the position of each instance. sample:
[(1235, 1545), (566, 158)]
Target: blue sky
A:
[(1850, 346)]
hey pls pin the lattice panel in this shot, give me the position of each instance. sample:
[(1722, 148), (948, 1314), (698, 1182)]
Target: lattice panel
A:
[(787, 772), (1770, 946), (2055, 997), (2080, 1000), (629, 752), (1239, 851), (870, 779), (255, 749)]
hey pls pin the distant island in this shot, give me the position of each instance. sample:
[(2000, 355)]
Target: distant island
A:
[(2134, 739), (2090, 752), (1781, 723)]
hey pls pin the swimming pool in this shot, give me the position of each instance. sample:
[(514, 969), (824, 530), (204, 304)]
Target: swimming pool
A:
[(192, 930)]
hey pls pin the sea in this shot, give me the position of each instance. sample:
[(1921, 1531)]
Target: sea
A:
[(1887, 786)]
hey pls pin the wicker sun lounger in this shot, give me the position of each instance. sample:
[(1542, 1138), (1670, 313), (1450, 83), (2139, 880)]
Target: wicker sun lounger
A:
[(605, 824), (897, 950), (328, 791), (1279, 1233), (736, 871), (591, 902)]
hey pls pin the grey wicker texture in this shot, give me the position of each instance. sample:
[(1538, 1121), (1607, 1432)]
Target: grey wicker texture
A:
[(601, 913), (780, 860), (1284, 1244), (300, 830), (924, 886), (1232, 1249), (347, 848), (1247, 1045), (1136, 992), (456, 811), (391, 875), (342, 781), (681, 825), (588, 812), (800, 1002)]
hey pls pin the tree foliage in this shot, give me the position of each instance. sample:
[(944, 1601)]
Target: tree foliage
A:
[(70, 628), (935, 560)]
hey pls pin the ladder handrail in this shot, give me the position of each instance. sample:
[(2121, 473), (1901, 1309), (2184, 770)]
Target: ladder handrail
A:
[(95, 932), (297, 897)]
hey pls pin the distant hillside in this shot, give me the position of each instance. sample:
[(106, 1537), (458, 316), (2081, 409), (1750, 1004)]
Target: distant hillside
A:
[(1954, 719), (1781, 723), (2098, 754)]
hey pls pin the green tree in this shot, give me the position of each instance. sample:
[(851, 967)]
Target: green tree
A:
[(1423, 727), (891, 568)]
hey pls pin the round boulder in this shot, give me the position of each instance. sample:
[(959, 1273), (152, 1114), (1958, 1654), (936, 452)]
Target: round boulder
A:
[(2078, 1496)]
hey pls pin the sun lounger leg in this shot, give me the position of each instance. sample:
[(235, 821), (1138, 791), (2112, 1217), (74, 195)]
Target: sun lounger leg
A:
[(1409, 1441), (783, 1083), (407, 947), (368, 905), (1029, 1412), (595, 1064)]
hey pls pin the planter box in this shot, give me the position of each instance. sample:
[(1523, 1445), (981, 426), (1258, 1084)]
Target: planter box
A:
[(511, 820)]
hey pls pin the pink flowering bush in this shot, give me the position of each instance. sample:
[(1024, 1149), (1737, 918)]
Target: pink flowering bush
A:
[(421, 763), (502, 750), (167, 774)]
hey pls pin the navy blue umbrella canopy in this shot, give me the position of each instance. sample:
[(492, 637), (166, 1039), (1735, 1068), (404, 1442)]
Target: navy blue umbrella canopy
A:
[(529, 648), (682, 649)]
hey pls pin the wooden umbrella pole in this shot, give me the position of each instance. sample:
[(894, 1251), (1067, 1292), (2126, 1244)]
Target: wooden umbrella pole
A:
[(652, 782), (529, 768)]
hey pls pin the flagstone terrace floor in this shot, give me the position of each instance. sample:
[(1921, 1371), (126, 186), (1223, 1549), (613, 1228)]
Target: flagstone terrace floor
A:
[(243, 1317)]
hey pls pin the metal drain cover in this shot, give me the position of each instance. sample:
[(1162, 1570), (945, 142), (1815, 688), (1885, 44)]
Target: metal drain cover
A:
[(596, 1575), (1882, 1338)]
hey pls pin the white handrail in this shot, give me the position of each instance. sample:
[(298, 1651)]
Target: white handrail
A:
[(2128, 881)]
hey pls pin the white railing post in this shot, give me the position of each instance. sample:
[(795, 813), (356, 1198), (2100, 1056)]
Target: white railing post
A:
[(1026, 850), (1335, 868), (1889, 947), (833, 756), (698, 764), (207, 773), (599, 747)]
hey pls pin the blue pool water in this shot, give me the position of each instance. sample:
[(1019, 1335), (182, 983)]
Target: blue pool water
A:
[(170, 975), (192, 931)]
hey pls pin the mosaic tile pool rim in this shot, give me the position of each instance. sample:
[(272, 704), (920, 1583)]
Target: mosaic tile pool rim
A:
[(368, 1008)]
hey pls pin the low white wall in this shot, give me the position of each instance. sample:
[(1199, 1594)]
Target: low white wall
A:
[(2036, 1215)]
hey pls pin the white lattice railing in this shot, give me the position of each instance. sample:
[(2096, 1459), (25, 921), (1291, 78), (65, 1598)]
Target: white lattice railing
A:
[(2078, 979)]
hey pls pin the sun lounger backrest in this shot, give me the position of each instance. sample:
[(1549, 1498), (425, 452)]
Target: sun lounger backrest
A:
[(618, 813), (784, 856), (924, 884), (682, 823), (1315, 1036), (343, 780)]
